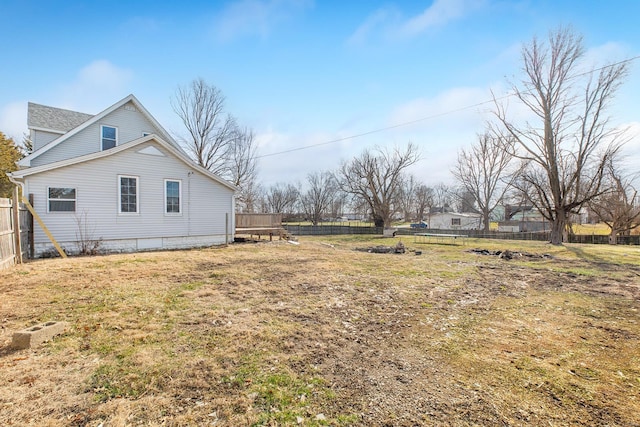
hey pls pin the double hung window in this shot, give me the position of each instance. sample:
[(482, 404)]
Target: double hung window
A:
[(61, 199), (109, 137), (128, 194), (172, 197)]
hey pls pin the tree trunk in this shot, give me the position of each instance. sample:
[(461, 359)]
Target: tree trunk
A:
[(558, 228), (613, 237), (486, 221)]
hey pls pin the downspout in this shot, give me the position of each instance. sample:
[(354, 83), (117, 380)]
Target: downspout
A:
[(189, 202), (18, 183)]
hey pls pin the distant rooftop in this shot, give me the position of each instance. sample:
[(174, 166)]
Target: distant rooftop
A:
[(43, 116)]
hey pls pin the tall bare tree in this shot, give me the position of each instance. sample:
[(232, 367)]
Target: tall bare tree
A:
[(282, 198), (338, 202), (423, 202), (242, 166), (375, 177), (316, 201), (406, 196), (211, 129), (568, 140), (443, 195), (619, 206), (483, 172)]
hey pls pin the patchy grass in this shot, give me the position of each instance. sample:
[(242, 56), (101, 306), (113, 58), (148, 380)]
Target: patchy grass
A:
[(320, 334)]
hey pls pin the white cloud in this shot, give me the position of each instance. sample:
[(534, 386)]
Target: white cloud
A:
[(451, 108), (443, 124), (13, 120), (385, 18), (389, 24), (291, 157), (607, 53), (97, 85), (440, 13), (631, 150), (255, 17)]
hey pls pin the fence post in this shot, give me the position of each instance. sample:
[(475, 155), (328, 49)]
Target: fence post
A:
[(15, 209)]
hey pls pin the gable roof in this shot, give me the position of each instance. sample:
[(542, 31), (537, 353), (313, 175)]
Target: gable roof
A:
[(179, 154), (26, 161), (54, 119)]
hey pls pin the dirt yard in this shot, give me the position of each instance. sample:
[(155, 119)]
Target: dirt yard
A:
[(318, 333)]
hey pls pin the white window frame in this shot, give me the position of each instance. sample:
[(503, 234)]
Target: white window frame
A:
[(179, 213), (137, 178), (102, 136), (49, 199)]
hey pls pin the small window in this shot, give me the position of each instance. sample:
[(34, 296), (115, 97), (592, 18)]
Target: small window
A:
[(455, 221), (128, 191), (109, 137), (172, 196), (62, 199)]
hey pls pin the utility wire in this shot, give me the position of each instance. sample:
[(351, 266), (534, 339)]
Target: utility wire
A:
[(445, 113)]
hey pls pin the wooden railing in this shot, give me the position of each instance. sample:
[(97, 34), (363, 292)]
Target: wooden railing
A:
[(258, 220)]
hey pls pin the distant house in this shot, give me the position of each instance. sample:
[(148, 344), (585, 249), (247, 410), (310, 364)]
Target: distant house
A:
[(523, 219), (118, 179), (455, 221)]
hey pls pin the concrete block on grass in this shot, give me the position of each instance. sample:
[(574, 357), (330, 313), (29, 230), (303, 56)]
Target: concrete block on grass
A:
[(37, 334)]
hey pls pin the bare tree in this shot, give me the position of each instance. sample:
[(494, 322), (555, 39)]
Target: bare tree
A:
[(568, 141), (375, 177), (338, 202), (252, 198), (316, 201), (200, 106), (243, 165), (618, 207), (407, 197), (282, 198), (423, 201), (483, 173), (443, 195)]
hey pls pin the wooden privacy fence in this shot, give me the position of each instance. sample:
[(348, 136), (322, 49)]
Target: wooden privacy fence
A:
[(15, 233)]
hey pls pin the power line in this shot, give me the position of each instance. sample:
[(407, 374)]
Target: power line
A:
[(445, 113)]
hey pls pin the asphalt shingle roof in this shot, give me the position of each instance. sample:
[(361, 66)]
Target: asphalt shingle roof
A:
[(43, 116)]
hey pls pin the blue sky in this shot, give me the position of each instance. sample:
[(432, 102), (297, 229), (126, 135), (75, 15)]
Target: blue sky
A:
[(303, 73)]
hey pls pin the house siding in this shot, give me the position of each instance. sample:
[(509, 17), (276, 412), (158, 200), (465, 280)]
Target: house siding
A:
[(129, 121), (442, 221), (206, 204), (41, 138)]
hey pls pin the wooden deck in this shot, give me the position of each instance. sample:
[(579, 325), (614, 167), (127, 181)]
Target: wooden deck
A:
[(263, 231), (260, 225)]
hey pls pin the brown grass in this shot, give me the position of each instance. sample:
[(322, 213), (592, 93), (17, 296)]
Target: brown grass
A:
[(320, 334)]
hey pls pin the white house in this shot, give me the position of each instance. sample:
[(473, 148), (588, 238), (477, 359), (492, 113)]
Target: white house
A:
[(118, 179), (455, 221)]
